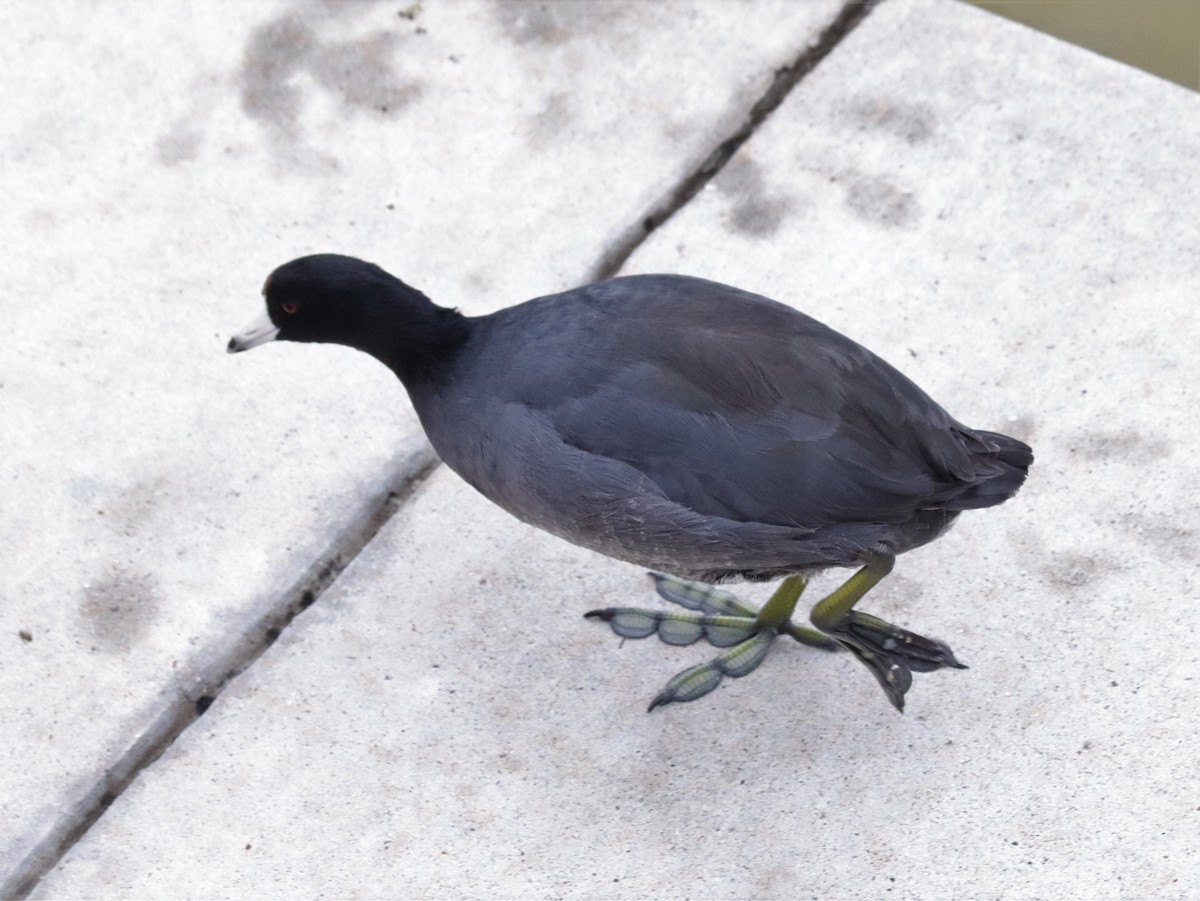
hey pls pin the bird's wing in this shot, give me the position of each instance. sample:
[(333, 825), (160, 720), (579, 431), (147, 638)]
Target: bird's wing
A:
[(740, 407)]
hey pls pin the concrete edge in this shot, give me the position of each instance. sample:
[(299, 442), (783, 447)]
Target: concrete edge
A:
[(225, 660)]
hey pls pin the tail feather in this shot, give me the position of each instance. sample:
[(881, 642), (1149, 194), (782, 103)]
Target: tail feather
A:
[(1004, 463)]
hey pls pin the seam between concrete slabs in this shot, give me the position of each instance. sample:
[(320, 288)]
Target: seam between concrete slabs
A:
[(852, 15), (414, 466), (231, 657)]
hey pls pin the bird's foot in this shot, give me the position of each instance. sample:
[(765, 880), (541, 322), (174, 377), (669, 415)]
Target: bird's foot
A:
[(721, 620), (677, 628), (698, 596), (747, 640), (892, 654), (741, 659)]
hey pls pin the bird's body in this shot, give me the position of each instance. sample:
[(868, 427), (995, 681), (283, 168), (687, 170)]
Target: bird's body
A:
[(681, 425), (689, 427)]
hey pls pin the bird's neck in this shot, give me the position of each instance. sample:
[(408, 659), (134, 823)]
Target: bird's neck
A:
[(425, 348)]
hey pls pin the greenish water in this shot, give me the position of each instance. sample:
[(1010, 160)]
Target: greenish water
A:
[(1160, 36)]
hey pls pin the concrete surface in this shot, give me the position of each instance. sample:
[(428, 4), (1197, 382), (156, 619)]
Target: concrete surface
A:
[(160, 498), (1014, 223)]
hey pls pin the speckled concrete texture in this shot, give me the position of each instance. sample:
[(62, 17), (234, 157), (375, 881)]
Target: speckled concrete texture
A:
[(1010, 220), (159, 160)]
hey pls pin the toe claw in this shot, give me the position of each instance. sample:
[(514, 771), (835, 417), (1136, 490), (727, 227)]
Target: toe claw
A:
[(893, 654), (688, 686), (899, 646), (894, 679), (627, 622), (700, 680)]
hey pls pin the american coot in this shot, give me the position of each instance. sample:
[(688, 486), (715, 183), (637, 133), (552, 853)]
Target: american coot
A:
[(684, 426)]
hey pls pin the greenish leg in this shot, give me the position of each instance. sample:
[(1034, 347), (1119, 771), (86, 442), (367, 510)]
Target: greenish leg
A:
[(891, 654), (777, 614)]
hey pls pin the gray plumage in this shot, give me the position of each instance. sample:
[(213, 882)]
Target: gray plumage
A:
[(690, 427)]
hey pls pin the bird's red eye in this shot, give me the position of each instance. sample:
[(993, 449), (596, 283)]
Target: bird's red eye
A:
[(288, 307)]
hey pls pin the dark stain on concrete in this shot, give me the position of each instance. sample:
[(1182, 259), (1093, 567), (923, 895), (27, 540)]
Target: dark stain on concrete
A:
[(285, 57), (360, 73), (1122, 445), (181, 144), (131, 510), (554, 23), (1074, 570), (553, 118), (913, 123), (878, 200), (755, 211), (274, 54), (118, 607), (1164, 535)]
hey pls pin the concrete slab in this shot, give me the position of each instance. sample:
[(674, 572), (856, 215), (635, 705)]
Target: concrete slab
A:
[(1011, 220), (161, 498)]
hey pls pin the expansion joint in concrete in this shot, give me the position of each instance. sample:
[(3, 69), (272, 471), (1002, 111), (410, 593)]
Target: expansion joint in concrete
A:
[(219, 666), (786, 78)]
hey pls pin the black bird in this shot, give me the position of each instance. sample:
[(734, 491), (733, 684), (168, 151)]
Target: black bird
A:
[(684, 426)]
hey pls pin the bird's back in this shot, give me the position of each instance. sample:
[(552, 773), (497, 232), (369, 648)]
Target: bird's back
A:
[(740, 408)]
